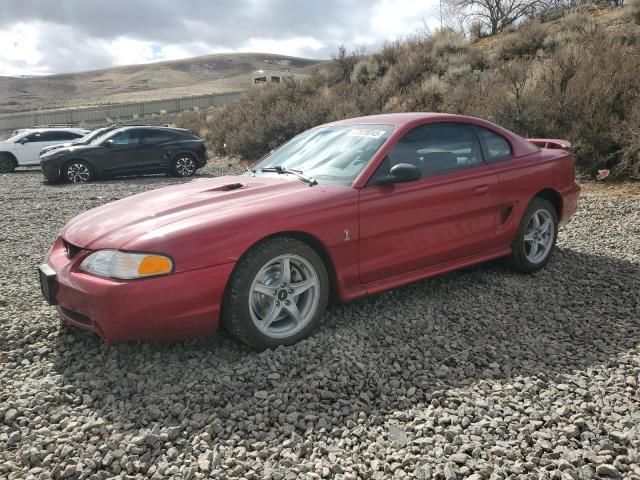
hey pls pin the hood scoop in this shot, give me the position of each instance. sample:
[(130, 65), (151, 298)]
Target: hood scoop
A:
[(225, 188)]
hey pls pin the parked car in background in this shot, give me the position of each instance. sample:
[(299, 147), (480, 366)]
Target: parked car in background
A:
[(86, 140), (23, 149), (20, 130), (127, 151), (341, 211)]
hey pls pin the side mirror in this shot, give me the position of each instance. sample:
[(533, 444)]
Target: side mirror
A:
[(402, 172), (22, 141), (108, 143)]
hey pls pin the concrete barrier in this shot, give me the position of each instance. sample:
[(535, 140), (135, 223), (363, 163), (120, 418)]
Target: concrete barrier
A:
[(77, 116)]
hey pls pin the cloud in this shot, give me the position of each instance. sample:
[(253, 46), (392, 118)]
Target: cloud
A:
[(41, 36)]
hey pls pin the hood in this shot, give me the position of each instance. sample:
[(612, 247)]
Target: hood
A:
[(57, 150), (187, 206)]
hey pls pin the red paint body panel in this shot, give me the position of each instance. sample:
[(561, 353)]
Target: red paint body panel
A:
[(419, 224), (397, 234)]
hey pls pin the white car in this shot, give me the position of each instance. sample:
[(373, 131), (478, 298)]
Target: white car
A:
[(23, 149)]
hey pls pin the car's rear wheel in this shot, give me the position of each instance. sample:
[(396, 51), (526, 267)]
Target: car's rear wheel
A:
[(536, 238), (184, 166), (277, 294), (7, 163), (77, 171)]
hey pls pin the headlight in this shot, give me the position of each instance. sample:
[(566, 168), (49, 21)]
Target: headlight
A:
[(50, 155), (126, 266)]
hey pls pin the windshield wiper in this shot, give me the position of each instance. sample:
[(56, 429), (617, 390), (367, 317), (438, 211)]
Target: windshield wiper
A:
[(298, 173)]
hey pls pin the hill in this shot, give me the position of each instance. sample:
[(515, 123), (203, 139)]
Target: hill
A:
[(153, 81), (573, 77)]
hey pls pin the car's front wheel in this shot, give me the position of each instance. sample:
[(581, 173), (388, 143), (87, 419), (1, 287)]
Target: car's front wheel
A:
[(7, 163), (77, 171), (536, 237), (277, 294), (184, 166)]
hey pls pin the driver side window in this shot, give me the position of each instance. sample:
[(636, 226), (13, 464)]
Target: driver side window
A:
[(128, 137), (34, 137), (435, 149)]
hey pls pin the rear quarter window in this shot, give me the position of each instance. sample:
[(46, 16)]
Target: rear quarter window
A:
[(496, 147)]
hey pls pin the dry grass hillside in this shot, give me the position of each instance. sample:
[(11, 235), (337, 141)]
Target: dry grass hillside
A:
[(192, 76), (574, 77)]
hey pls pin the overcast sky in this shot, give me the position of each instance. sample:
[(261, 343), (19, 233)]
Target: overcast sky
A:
[(57, 36)]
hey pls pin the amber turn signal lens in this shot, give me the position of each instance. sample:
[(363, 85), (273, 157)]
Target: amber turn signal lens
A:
[(154, 265)]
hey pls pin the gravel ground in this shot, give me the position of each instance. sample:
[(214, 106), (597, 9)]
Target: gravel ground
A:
[(482, 373)]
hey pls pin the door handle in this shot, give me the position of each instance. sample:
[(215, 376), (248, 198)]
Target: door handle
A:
[(481, 190)]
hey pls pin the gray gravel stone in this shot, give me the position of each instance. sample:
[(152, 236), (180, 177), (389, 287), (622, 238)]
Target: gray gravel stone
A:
[(483, 373), (607, 470)]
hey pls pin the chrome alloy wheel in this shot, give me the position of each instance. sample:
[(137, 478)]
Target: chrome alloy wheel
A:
[(185, 166), (284, 296), (78, 173), (539, 236)]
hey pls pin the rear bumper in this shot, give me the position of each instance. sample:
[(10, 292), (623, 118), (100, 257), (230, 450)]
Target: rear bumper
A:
[(202, 160), (174, 307), (569, 203)]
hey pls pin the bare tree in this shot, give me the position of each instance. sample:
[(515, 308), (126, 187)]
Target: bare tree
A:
[(346, 61), (495, 15)]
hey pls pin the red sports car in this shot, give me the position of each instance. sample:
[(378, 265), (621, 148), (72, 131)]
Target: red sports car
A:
[(340, 211)]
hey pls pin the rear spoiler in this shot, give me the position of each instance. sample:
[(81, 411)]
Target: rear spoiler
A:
[(552, 143)]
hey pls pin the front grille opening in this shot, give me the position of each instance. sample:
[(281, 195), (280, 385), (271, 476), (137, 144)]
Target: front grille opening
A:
[(70, 249)]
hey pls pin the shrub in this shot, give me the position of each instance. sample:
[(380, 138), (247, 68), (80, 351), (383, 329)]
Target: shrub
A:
[(476, 31), (366, 70), (409, 69), (477, 59), (628, 136), (579, 23), (635, 11), (583, 87), (447, 42), (525, 42), (457, 72), (195, 122), (388, 54)]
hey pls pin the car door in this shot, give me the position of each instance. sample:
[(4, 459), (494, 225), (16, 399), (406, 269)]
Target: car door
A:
[(28, 148), (447, 214), (158, 148), (125, 153)]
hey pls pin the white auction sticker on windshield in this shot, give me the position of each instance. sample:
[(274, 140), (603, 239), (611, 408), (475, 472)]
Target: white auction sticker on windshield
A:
[(365, 132)]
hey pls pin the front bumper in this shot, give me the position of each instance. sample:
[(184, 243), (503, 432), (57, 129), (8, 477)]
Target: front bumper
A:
[(170, 308), (50, 170)]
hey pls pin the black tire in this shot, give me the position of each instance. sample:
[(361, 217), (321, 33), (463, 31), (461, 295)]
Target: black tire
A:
[(184, 165), (519, 258), (7, 163), (77, 171), (236, 308)]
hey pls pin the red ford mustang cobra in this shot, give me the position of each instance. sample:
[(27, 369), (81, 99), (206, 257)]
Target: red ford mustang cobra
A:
[(341, 211)]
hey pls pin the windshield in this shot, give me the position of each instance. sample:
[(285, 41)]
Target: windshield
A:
[(103, 138), (91, 136), (334, 153), (17, 136)]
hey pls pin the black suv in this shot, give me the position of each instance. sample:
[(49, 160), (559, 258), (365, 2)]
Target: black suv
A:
[(86, 140), (127, 151)]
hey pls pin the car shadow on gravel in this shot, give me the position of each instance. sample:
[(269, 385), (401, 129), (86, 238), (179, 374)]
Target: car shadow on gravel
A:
[(378, 355)]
